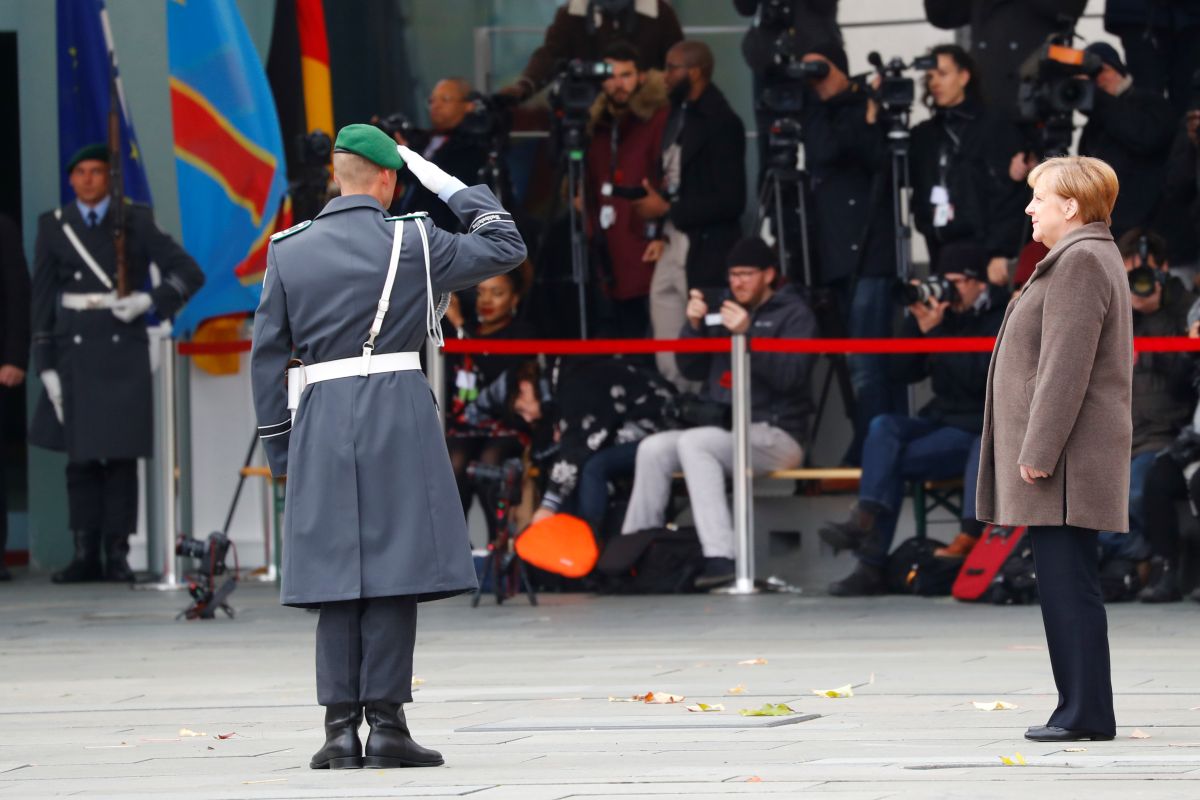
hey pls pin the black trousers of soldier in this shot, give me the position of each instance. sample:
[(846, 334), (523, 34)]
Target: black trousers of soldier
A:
[(102, 496), (1067, 562), (365, 650)]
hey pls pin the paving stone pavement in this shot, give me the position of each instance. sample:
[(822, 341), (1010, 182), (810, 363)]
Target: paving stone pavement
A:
[(97, 682)]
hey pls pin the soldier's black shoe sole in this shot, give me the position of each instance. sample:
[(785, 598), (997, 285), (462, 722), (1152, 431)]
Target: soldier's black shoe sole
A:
[(348, 762), (387, 762)]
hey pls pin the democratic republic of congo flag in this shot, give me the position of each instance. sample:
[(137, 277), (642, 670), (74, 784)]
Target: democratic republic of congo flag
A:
[(228, 154), (85, 44)]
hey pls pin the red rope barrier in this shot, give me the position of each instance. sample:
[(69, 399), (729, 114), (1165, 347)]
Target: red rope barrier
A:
[(572, 347)]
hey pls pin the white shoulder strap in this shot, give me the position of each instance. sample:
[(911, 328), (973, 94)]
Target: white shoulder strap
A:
[(384, 299), (82, 251), (433, 320)]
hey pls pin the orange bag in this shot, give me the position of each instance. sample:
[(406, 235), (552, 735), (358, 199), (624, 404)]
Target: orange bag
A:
[(561, 544)]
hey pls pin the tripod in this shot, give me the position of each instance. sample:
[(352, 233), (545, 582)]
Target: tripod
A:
[(507, 570)]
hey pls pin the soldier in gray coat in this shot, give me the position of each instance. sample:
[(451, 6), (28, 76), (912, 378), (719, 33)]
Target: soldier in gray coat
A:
[(373, 523)]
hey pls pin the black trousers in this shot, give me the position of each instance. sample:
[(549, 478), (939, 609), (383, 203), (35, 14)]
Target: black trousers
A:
[(1165, 486), (365, 650), (102, 496), (1067, 562)]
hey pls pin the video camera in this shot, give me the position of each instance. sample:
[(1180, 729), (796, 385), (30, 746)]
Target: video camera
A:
[(934, 289), (211, 553), (1052, 91), (574, 89), (897, 92)]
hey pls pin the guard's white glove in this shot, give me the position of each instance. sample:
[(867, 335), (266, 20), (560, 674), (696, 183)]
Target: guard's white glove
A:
[(131, 306), (53, 391), (431, 176)]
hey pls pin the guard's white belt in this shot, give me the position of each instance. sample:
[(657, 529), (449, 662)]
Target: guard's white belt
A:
[(88, 301), (302, 376)]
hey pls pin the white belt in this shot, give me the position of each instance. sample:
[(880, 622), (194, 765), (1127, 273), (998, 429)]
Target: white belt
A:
[(302, 376), (88, 301)]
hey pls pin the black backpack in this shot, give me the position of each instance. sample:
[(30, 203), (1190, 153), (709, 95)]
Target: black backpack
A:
[(653, 561), (913, 569), (1016, 582)]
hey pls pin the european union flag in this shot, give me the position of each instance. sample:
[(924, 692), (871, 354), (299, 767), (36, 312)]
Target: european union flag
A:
[(84, 49)]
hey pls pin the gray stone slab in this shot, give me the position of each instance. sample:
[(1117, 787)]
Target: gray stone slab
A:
[(692, 721)]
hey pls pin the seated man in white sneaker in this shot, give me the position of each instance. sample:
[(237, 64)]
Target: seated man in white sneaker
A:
[(781, 406)]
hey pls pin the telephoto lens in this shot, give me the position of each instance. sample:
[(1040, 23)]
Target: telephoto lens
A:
[(1143, 280)]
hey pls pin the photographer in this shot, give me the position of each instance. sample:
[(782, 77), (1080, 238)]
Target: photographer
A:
[(780, 414), (960, 162), (701, 196), (1174, 476), (1179, 217), (851, 196), (584, 29), (449, 148), (1131, 129), (938, 443), (1002, 36), (795, 26), (627, 128), (1162, 42), (1163, 396)]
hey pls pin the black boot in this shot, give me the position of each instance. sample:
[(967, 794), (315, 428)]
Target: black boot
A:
[(863, 581), (854, 532), (116, 558), (1163, 586), (343, 748), (390, 744), (85, 565)]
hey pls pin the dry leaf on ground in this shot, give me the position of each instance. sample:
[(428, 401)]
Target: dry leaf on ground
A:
[(418, 681), (995, 705), (189, 732), (739, 689), (841, 691), (707, 707), (1138, 733), (1017, 760), (229, 735), (1074, 749), (752, 662), (660, 698), (768, 710), (754, 779)]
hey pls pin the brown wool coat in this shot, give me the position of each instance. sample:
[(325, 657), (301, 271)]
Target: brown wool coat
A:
[(1059, 393)]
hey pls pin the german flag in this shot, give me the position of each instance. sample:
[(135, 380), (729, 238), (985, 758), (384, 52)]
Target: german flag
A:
[(298, 70)]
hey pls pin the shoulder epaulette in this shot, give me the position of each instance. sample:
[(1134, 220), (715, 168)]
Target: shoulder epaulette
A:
[(402, 217), (299, 226)]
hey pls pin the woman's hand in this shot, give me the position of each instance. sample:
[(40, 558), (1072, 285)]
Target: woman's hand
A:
[(1031, 475)]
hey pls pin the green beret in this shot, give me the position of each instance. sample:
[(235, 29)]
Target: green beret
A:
[(371, 143), (97, 151)]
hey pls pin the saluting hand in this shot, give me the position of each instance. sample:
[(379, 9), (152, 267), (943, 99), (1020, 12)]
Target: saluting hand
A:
[(1031, 475)]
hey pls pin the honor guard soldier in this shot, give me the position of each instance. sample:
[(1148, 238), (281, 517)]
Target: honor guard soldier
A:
[(92, 353), (373, 523)]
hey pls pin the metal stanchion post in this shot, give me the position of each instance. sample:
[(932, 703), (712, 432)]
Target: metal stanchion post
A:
[(743, 478), (165, 461), (435, 370)]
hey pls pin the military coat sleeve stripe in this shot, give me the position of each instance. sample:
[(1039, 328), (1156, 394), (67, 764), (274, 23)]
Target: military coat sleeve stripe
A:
[(491, 246), (268, 365)]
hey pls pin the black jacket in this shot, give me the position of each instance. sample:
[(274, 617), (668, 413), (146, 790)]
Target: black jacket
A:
[(14, 297), (712, 185), (1179, 215), (463, 157), (813, 22), (977, 146), (780, 390), (849, 170), (1154, 14), (958, 380), (1163, 397), (1132, 132), (1003, 34)]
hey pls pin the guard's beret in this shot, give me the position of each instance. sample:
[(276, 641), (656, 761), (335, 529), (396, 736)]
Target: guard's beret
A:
[(371, 143), (97, 151)]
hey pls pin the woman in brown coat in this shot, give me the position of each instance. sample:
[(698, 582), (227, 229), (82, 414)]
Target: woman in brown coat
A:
[(1057, 429)]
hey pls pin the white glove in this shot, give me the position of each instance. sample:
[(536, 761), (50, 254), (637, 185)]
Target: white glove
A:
[(431, 176), (131, 306), (53, 391)]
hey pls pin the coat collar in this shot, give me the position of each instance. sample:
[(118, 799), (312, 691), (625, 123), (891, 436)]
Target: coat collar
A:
[(347, 202), (1093, 230)]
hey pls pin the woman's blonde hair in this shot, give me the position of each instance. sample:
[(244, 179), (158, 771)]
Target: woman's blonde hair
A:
[(1090, 182)]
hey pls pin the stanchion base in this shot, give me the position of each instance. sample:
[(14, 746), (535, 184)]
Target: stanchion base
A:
[(738, 587), (158, 586)]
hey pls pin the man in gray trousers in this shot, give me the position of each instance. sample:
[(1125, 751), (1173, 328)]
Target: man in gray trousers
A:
[(373, 523)]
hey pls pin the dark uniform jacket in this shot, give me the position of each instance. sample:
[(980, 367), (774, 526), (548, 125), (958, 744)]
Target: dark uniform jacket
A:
[(850, 173), (780, 388), (958, 380), (102, 362), (372, 506), (968, 150), (651, 26), (712, 185), (1003, 34), (14, 297), (1132, 132), (1163, 397)]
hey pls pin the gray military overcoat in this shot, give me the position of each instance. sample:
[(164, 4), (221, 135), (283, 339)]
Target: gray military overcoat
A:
[(372, 508), (1059, 393)]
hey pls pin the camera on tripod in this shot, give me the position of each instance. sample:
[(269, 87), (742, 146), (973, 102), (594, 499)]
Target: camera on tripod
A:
[(572, 93), (211, 553), (1052, 91), (934, 289), (503, 478)]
